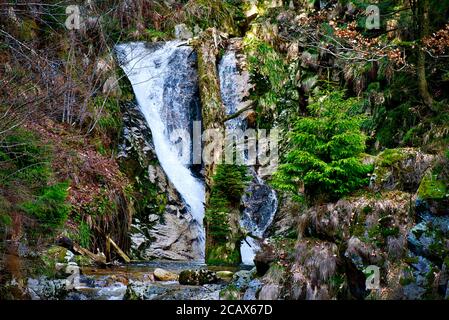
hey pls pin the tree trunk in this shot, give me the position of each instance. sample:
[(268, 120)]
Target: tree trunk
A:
[(422, 20)]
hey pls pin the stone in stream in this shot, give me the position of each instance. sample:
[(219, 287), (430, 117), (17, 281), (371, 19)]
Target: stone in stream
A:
[(225, 275), (164, 275), (197, 277)]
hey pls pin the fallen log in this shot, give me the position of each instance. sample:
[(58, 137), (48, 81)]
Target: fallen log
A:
[(99, 258), (119, 251)]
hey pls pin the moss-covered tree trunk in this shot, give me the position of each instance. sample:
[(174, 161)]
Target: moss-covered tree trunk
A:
[(421, 16), (213, 115)]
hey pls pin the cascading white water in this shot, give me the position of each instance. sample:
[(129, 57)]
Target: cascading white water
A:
[(163, 80), (260, 199)]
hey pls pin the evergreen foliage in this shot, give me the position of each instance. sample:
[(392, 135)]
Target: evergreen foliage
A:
[(50, 208), (229, 183), (325, 150)]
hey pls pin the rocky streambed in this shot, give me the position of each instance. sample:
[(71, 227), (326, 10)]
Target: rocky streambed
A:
[(156, 280)]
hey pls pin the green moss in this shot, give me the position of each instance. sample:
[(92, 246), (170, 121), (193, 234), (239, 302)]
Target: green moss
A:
[(446, 261), (84, 235), (432, 188), (406, 280), (27, 29), (358, 229), (337, 281), (379, 234), (56, 253), (223, 236), (5, 220), (50, 208), (221, 14), (212, 111), (223, 255), (26, 160), (389, 157), (231, 292)]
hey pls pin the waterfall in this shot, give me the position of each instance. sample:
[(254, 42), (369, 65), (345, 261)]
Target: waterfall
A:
[(260, 200), (164, 80)]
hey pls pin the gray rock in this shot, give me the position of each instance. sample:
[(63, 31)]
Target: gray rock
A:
[(171, 291), (171, 235), (46, 289), (309, 83), (242, 278), (413, 291), (400, 169), (253, 289), (270, 292), (422, 266), (182, 32)]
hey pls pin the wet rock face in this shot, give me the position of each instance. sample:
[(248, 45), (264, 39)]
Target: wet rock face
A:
[(285, 219), (428, 240), (197, 277), (166, 232), (260, 204), (181, 100)]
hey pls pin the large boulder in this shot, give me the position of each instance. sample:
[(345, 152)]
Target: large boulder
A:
[(164, 275), (433, 191), (264, 258), (363, 217), (400, 169)]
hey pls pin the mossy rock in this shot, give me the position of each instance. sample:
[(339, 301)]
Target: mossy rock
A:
[(197, 277), (433, 191), (400, 169), (231, 292), (56, 254), (432, 188), (84, 261)]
